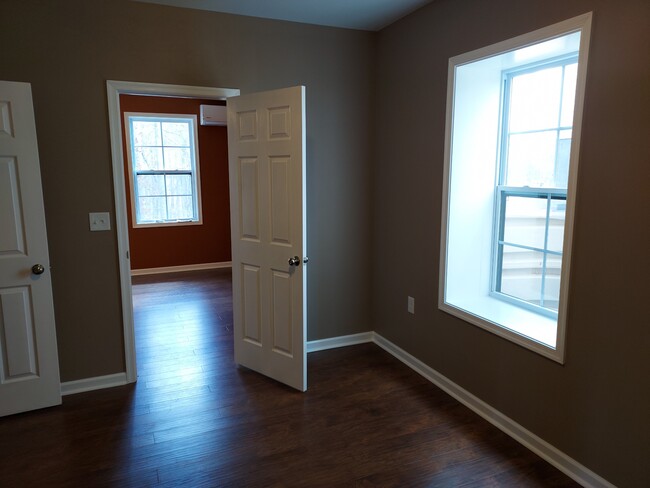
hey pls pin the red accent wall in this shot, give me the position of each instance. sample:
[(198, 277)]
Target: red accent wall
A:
[(157, 247)]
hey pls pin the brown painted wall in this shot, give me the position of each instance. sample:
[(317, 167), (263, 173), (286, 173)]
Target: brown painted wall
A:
[(156, 247), (596, 407), (68, 49), (374, 202)]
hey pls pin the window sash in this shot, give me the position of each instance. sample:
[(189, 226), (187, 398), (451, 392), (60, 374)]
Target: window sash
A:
[(506, 133), (503, 192)]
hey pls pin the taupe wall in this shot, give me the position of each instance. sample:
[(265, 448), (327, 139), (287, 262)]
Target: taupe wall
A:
[(68, 49), (595, 407), (369, 202)]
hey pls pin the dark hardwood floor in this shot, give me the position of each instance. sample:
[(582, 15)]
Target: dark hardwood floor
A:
[(195, 419)]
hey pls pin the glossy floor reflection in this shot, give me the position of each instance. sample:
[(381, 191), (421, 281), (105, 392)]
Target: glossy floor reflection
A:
[(195, 419)]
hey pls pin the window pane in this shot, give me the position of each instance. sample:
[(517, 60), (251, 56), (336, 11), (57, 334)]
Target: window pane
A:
[(552, 282), (531, 159), (163, 168), (556, 225), (146, 133), (521, 275), (147, 158), (151, 209), (535, 100), (177, 158), (180, 208), (569, 94), (525, 221), (179, 185), (562, 162), (176, 134), (150, 185)]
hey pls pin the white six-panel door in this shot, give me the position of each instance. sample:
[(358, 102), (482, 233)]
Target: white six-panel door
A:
[(29, 366), (266, 146)]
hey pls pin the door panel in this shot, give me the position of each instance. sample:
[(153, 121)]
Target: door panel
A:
[(266, 146), (280, 207), (12, 236), (249, 191), (251, 304), (17, 335), (281, 319), (29, 366)]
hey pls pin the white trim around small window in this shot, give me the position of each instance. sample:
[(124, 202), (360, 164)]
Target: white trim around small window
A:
[(530, 212), (163, 164)]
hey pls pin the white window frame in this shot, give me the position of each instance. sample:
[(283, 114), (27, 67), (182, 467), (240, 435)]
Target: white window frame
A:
[(527, 322), (195, 171)]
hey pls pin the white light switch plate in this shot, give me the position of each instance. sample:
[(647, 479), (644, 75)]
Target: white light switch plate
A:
[(99, 221)]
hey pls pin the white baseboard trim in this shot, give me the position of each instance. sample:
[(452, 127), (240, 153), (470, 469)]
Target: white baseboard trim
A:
[(179, 269), (340, 341), (95, 383), (543, 449)]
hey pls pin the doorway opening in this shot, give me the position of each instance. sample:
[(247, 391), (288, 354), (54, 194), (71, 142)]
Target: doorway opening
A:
[(115, 89)]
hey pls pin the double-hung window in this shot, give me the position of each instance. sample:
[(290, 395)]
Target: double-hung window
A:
[(533, 174), (163, 169), (513, 128)]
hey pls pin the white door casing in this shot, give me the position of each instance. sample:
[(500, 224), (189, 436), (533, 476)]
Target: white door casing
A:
[(29, 365), (266, 148)]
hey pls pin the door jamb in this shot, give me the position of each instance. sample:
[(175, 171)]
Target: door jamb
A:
[(114, 90)]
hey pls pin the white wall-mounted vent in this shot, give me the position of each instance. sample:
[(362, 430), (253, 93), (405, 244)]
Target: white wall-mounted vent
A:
[(213, 115)]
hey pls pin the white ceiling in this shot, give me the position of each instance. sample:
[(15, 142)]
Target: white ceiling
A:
[(371, 15)]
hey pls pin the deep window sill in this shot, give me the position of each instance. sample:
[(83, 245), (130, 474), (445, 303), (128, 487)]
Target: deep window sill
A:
[(519, 325)]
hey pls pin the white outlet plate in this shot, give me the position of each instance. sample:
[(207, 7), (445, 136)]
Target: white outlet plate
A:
[(99, 221), (411, 305)]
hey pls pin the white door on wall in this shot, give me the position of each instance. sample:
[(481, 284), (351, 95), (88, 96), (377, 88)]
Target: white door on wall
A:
[(29, 366), (266, 147)]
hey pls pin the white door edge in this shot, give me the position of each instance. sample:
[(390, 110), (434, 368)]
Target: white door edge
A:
[(114, 90)]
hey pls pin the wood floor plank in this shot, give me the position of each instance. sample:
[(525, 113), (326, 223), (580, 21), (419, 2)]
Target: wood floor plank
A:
[(196, 419)]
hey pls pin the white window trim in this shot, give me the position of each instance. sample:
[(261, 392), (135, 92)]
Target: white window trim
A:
[(195, 170), (519, 335)]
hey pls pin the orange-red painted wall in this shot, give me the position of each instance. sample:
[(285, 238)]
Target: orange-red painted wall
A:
[(157, 247)]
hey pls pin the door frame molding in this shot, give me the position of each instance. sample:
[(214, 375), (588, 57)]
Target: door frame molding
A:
[(114, 89)]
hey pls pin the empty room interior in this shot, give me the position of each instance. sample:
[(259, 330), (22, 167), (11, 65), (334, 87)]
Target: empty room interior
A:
[(411, 380)]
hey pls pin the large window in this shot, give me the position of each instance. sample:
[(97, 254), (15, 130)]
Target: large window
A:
[(164, 169), (513, 124)]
